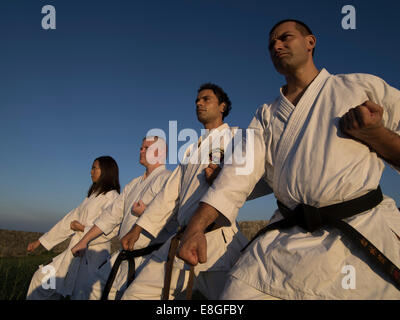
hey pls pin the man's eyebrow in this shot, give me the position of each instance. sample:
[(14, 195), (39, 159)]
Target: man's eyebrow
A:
[(202, 97), (280, 36)]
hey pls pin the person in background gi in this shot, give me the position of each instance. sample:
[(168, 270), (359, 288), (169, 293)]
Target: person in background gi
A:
[(185, 187), (71, 273), (322, 142), (124, 212)]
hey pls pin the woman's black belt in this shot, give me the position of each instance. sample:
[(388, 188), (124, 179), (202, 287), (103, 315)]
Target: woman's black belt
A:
[(311, 219)]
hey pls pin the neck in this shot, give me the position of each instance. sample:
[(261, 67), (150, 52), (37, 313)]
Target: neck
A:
[(300, 78), (150, 168), (214, 124)]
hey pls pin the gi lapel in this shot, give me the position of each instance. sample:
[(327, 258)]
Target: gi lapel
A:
[(294, 125)]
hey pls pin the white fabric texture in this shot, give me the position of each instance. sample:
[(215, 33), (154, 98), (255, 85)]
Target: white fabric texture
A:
[(119, 213), (305, 158), (182, 192), (66, 266)]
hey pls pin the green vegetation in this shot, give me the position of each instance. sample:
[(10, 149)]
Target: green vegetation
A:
[(17, 267), (16, 274)]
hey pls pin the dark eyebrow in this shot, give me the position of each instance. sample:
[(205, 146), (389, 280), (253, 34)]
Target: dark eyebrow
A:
[(203, 97), (280, 37)]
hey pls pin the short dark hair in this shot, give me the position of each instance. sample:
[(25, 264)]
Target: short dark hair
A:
[(300, 25), (109, 178), (221, 95)]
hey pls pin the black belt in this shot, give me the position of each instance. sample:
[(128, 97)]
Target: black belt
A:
[(130, 256), (173, 249), (311, 218)]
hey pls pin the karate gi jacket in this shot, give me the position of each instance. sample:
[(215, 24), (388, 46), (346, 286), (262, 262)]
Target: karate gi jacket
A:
[(305, 158), (67, 266), (119, 213), (182, 192)]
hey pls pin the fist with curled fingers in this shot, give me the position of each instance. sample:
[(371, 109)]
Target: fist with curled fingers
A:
[(193, 248), (211, 172), (128, 241), (77, 226), (32, 246), (79, 249), (362, 121), (138, 208)]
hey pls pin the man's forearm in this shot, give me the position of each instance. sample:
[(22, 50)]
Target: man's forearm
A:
[(203, 217), (386, 144)]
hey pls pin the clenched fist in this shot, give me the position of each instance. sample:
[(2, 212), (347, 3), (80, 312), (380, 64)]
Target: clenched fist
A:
[(33, 246), (138, 208), (77, 226), (211, 172), (363, 121), (128, 241)]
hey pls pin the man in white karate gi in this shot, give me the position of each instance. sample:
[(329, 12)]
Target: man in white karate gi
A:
[(125, 210), (183, 190), (322, 142)]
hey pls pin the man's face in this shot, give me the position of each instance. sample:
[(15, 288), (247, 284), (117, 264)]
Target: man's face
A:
[(208, 108), (289, 48), (147, 153)]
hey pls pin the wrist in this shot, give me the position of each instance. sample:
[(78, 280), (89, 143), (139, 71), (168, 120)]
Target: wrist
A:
[(372, 135)]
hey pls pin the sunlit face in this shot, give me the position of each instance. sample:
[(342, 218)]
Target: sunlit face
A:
[(289, 48), (147, 154), (95, 173), (208, 108)]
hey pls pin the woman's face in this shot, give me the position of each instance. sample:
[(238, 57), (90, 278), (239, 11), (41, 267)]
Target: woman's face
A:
[(95, 173)]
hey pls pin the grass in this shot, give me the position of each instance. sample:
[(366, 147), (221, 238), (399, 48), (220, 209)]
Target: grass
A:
[(17, 267), (16, 274)]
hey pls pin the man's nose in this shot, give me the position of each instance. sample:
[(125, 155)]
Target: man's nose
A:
[(277, 46)]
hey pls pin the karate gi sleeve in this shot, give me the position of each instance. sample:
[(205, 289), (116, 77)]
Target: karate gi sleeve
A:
[(61, 230), (111, 217), (162, 208), (236, 181), (110, 197), (387, 97)]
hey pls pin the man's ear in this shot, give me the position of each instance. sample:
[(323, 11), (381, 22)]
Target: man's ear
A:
[(311, 42), (222, 107)]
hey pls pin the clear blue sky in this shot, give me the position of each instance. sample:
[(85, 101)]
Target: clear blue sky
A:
[(112, 70)]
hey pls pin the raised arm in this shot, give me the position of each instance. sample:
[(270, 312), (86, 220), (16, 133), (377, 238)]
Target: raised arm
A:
[(365, 123)]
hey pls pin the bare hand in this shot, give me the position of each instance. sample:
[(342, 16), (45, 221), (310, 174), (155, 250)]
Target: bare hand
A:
[(32, 246), (363, 121), (211, 172), (193, 247), (77, 226), (138, 208), (128, 241), (79, 249)]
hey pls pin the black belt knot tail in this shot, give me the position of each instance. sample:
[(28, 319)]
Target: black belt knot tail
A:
[(130, 256), (311, 219)]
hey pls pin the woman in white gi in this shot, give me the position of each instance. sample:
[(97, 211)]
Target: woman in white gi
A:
[(71, 273)]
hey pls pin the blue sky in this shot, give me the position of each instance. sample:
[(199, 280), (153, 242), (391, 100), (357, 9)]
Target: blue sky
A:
[(112, 70)]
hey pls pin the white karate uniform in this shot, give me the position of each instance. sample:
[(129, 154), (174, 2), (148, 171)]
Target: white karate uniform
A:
[(305, 158), (183, 190), (120, 213), (72, 272)]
